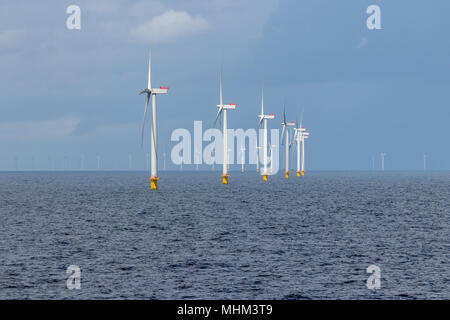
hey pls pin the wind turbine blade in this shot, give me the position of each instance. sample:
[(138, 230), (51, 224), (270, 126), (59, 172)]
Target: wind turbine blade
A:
[(282, 134), (145, 116), (219, 112), (259, 122)]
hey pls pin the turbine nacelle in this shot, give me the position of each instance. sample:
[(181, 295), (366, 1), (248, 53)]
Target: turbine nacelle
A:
[(160, 90), (230, 106), (266, 116)]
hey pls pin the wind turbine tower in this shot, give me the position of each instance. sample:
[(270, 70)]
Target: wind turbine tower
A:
[(223, 109), (243, 157), (164, 163), (382, 160), (299, 130), (425, 162), (304, 136), (263, 118), (257, 156), (286, 125), (152, 92)]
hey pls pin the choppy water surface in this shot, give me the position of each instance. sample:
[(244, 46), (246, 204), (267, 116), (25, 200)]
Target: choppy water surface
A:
[(304, 238)]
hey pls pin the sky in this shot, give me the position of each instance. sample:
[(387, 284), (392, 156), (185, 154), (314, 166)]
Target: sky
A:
[(72, 94)]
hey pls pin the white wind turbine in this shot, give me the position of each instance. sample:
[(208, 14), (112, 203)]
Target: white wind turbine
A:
[(305, 135), (243, 157), (299, 130), (164, 163), (257, 156), (153, 133), (286, 143), (223, 108), (301, 136), (382, 160), (425, 162), (264, 117)]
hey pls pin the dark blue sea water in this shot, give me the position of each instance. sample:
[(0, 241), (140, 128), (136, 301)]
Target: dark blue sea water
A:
[(308, 238)]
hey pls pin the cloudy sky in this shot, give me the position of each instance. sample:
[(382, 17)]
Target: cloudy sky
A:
[(66, 93)]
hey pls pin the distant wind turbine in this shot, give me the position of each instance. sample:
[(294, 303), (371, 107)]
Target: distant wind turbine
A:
[(149, 91), (263, 118), (425, 162), (304, 136), (382, 160), (164, 163), (243, 157), (286, 143), (257, 156), (300, 136), (223, 108)]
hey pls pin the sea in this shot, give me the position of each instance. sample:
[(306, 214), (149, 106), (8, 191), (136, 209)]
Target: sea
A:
[(312, 237)]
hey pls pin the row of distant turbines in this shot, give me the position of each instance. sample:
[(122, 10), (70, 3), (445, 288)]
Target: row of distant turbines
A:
[(298, 140)]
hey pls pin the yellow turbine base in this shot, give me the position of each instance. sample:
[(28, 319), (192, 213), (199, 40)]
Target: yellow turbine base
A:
[(225, 178), (154, 183), (265, 178), (303, 173), (299, 173), (287, 175)]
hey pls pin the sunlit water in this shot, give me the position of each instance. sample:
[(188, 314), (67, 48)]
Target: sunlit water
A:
[(305, 238)]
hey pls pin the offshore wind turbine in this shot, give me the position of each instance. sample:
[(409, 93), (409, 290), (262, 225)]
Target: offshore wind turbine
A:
[(263, 118), (382, 160), (304, 136), (223, 109), (286, 143), (164, 163), (425, 162), (152, 92), (257, 156), (299, 130), (301, 136), (243, 157)]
